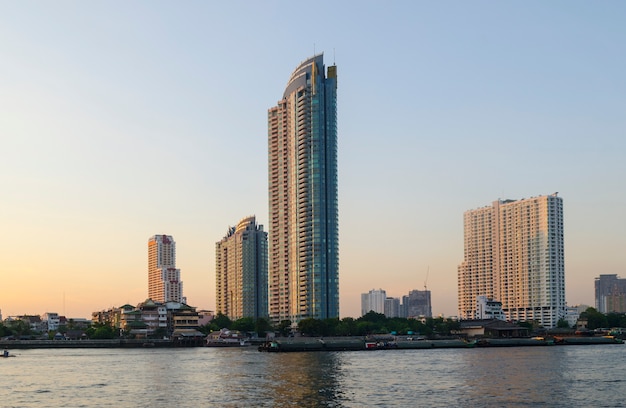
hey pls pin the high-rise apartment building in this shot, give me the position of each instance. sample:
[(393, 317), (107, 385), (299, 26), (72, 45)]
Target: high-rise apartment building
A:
[(417, 304), (392, 307), (373, 301), (164, 284), (241, 271), (513, 253), (303, 209), (610, 294)]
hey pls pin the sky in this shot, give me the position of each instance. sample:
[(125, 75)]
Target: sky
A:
[(122, 120)]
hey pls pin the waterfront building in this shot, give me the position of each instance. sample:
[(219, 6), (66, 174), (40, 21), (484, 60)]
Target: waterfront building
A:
[(51, 320), (373, 301), (241, 271), (417, 304), (610, 294), (149, 318), (572, 314), (488, 309), (303, 206), (513, 253), (164, 282)]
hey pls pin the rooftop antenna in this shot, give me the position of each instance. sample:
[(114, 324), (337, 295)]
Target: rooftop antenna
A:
[(426, 280), (313, 49), (334, 56)]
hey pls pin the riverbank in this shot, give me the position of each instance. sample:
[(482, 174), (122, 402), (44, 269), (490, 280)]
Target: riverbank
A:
[(98, 344), (361, 343)]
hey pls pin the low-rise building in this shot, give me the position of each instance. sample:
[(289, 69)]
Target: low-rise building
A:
[(491, 328), (488, 309)]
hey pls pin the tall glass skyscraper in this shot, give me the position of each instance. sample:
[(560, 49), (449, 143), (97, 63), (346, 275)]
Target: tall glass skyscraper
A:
[(303, 209)]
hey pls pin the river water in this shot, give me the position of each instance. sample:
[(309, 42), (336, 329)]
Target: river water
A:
[(557, 376)]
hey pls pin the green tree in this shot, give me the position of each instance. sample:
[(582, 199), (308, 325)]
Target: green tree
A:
[(222, 321), (373, 317), (262, 326), (101, 331), (562, 324), (284, 327), (595, 319), (346, 327), (19, 327), (245, 324), (616, 319), (310, 327), (4, 331)]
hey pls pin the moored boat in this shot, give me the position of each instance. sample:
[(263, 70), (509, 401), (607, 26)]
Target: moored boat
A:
[(588, 340), (513, 342)]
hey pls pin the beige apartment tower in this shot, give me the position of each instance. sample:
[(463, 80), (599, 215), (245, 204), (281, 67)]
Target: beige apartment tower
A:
[(241, 271), (513, 253), (164, 283)]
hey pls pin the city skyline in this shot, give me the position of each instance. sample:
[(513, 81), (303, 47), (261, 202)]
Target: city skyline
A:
[(117, 123)]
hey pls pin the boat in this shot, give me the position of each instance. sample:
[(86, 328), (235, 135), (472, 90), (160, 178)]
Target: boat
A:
[(588, 340), (514, 341), (226, 338)]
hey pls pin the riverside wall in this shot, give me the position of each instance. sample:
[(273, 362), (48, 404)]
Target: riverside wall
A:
[(112, 343)]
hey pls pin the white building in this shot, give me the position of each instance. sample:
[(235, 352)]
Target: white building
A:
[(513, 253), (488, 309), (52, 321), (164, 284), (374, 300)]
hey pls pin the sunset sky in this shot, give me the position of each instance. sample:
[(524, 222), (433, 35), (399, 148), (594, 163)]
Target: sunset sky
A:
[(122, 120)]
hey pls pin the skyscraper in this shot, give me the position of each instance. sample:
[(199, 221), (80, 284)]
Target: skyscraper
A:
[(373, 301), (513, 253), (418, 304), (241, 271), (303, 209), (610, 294), (164, 284)]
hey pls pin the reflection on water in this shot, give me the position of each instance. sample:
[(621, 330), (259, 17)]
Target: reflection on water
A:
[(303, 379), (513, 377)]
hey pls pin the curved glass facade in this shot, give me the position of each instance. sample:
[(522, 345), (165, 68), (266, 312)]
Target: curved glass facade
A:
[(303, 226)]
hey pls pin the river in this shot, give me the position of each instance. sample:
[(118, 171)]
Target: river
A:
[(557, 376)]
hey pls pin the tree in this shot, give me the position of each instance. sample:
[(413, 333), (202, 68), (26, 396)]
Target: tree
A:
[(562, 324), (284, 327), (373, 317), (262, 326), (595, 319), (310, 327), (346, 327), (245, 324), (19, 327), (222, 321), (4, 331), (101, 331)]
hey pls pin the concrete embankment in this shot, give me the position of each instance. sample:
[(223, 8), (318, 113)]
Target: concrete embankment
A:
[(113, 343)]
